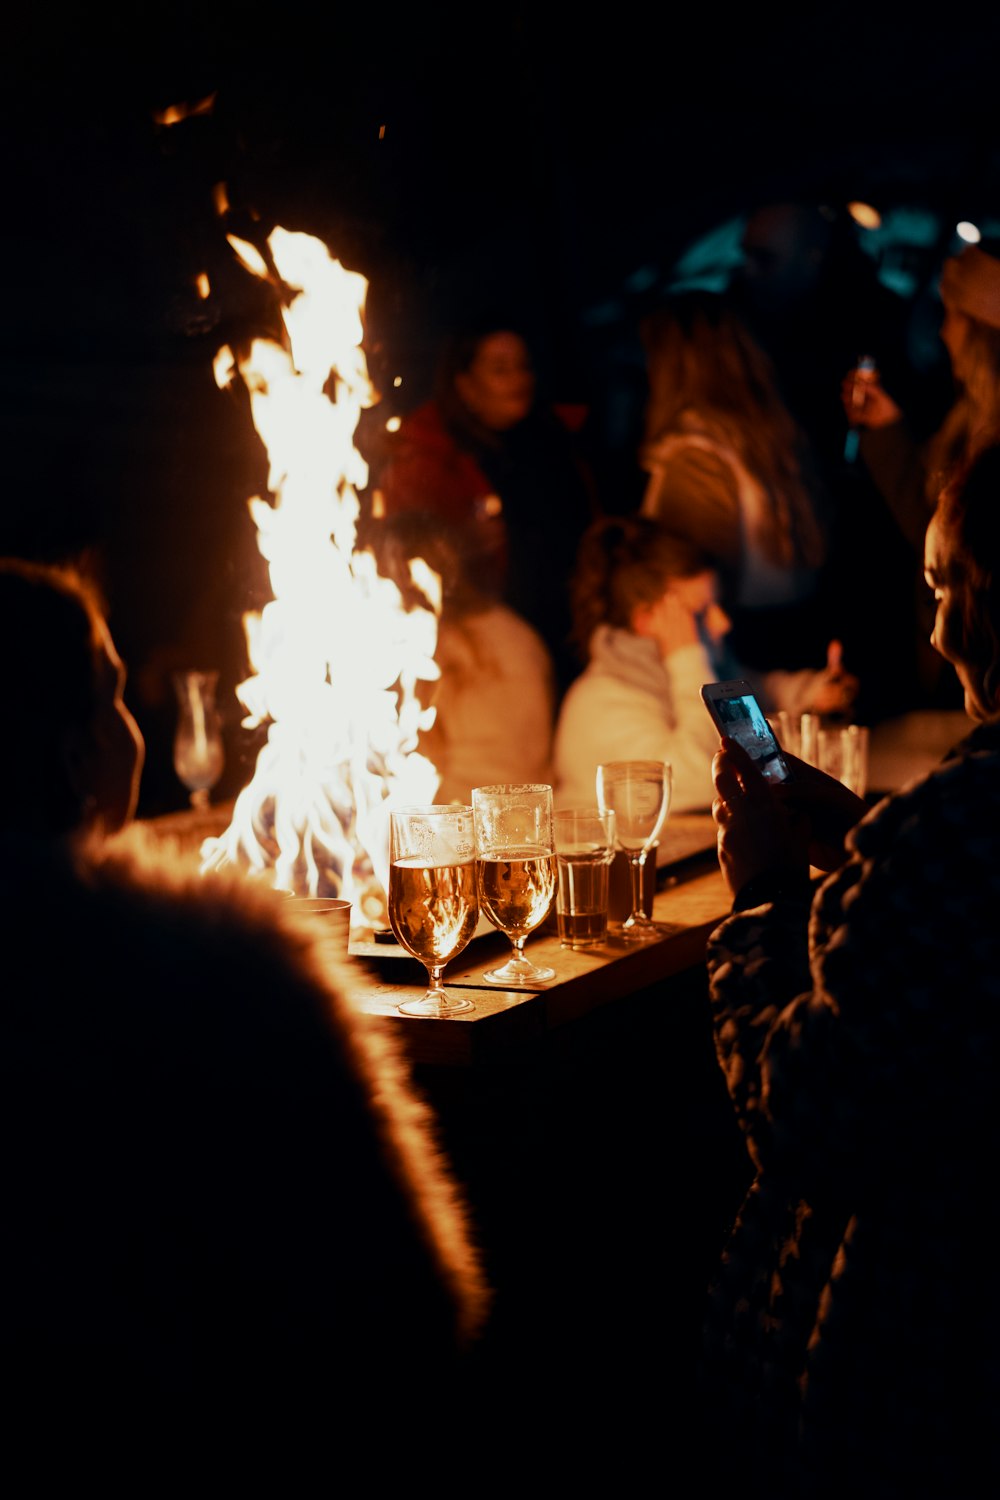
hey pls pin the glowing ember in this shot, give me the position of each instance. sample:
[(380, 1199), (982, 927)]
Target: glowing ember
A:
[(337, 657)]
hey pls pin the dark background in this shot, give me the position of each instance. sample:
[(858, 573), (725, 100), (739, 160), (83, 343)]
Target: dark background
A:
[(564, 163)]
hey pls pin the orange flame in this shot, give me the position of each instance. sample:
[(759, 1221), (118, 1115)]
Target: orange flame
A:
[(337, 657)]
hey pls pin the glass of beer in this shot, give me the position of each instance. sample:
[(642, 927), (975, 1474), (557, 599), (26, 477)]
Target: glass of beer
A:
[(516, 865), (585, 847), (433, 899)]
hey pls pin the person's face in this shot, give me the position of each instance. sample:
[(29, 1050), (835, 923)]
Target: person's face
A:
[(700, 596), (112, 771), (689, 610), (944, 580), (499, 385)]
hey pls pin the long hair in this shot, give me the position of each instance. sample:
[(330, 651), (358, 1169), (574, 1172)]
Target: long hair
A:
[(50, 621), (973, 423), (704, 368), (624, 562), (968, 510)]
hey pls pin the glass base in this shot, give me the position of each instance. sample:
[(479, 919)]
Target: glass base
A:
[(436, 1004), (518, 973), (637, 930)]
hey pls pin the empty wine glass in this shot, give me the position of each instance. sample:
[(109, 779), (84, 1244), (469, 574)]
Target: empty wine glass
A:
[(198, 754), (433, 897), (638, 793), (516, 864)]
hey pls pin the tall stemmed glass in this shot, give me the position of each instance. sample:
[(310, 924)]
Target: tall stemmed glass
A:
[(433, 899), (638, 793), (199, 757), (516, 861)]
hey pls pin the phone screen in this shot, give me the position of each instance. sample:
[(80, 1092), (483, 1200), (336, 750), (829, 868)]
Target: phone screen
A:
[(740, 717)]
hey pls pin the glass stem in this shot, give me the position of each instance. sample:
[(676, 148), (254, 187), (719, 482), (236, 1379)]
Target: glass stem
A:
[(636, 869), (434, 973)]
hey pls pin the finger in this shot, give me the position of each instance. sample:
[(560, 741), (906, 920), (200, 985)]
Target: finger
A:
[(728, 786), (734, 752), (721, 813), (750, 777)]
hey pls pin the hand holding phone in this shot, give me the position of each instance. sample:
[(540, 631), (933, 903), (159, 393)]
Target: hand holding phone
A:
[(738, 716)]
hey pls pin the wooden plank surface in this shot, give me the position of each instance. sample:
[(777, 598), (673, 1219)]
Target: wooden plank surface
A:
[(690, 899), (504, 1023)]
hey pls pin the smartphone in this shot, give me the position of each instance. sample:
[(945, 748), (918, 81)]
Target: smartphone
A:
[(738, 716)]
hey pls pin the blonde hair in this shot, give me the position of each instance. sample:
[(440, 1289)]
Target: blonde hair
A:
[(973, 423), (705, 367)]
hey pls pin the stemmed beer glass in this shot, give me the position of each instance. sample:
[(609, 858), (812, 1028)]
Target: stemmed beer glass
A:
[(199, 758), (516, 864), (433, 900), (638, 793)]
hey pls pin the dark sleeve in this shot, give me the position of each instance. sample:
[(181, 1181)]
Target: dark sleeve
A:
[(758, 962)]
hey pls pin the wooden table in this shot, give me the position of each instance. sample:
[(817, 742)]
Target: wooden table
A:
[(690, 901)]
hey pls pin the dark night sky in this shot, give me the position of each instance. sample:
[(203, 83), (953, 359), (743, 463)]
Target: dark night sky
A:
[(545, 158), (551, 153)]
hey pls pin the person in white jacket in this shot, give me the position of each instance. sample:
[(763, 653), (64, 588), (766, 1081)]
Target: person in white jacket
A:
[(648, 621)]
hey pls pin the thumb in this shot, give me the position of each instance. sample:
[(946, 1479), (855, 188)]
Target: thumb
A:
[(834, 657)]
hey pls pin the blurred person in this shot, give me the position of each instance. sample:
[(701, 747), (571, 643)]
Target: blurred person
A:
[(729, 469), (505, 467), (227, 1221), (908, 468), (910, 473), (651, 629), (814, 302), (495, 698), (852, 1330)]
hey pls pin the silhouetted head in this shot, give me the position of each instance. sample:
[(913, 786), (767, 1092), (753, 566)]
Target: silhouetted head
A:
[(794, 252), (71, 754), (400, 540)]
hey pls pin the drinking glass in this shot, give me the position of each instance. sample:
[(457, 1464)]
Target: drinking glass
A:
[(638, 793), (516, 864), (585, 848), (843, 753), (433, 900), (198, 752)]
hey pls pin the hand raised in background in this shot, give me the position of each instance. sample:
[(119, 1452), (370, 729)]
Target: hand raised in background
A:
[(836, 689), (866, 402)]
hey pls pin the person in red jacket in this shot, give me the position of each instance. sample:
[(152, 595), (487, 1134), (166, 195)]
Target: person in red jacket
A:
[(505, 469)]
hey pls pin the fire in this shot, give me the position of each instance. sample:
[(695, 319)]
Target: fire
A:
[(336, 657)]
